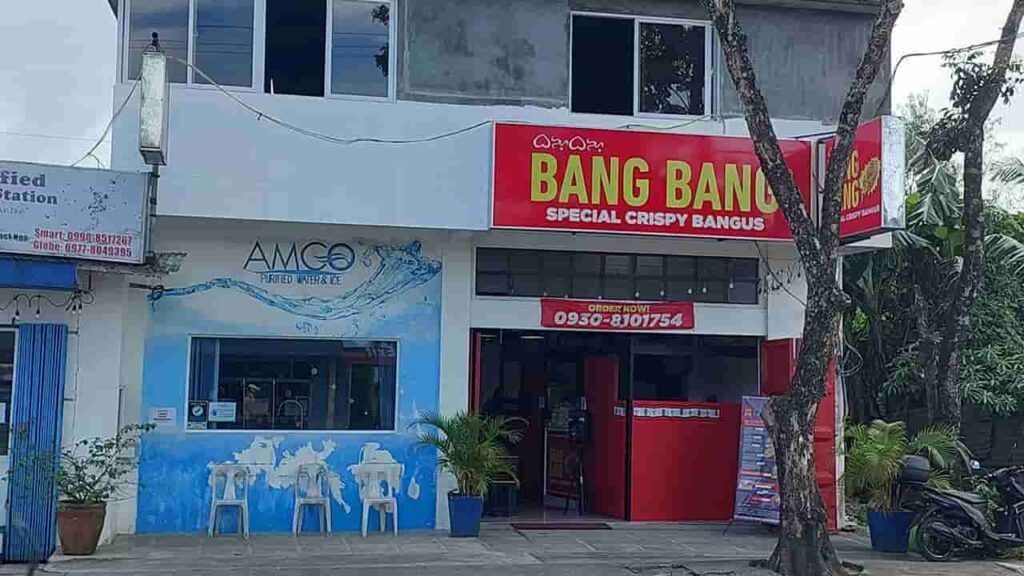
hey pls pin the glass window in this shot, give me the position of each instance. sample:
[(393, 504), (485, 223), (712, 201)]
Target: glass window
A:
[(291, 384), (668, 60), (295, 60), (491, 284), (223, 41), (169, 19), (532, 273), (526, 285), (650, 266), (672, 69), (618, 265), (602, 65), (491, 260), (360, 48)]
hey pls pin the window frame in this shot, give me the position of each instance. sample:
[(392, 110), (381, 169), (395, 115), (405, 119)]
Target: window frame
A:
[(259, 15), (666, 277), (188, 371), (392, 54), (710, 108), (259, 36)]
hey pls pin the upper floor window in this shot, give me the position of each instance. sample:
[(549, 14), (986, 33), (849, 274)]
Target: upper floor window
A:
[(307, 47), (220, 42), (318, 47), (635, 66)]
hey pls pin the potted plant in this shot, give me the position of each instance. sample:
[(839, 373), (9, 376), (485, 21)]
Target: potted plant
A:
[(874, 464), (91, 473), (472, 448)]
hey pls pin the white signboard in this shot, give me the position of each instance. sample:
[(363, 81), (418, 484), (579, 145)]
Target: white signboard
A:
[(163, 417), (222, 412), (72, 212)]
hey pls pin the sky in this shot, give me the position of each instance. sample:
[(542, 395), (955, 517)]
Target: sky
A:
[(57, 68)]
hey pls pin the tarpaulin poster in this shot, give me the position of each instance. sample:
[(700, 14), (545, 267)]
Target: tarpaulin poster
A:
[(558, 178), (616, 316), (757, 487)]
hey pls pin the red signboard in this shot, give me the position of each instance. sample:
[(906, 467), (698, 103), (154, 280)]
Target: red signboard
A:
[(638, 182), (872, 190), (615, 316)]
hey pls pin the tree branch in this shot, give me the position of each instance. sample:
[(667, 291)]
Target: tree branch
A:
[(766, 143), (849, 119)]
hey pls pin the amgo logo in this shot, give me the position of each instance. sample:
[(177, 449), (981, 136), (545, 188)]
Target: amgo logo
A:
[(861, 180), (311, 262)]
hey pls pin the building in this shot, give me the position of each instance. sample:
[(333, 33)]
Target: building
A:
[(378, 214)]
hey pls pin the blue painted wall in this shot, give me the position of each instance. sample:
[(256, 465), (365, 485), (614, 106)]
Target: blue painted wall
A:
[(391, 291)]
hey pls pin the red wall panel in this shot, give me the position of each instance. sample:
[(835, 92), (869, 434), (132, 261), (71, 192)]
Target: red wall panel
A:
[(685, 469), (605, 469)]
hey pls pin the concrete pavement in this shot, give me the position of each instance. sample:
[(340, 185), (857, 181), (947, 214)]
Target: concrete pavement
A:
[(625, 550)]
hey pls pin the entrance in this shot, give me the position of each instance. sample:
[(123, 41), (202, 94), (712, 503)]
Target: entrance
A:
[(639, 427)]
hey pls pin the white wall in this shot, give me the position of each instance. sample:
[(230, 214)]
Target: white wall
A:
[(104, 356), (224, 162)]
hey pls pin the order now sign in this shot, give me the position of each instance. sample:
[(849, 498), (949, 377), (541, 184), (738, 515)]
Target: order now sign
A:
[(616, 316), (638, 182)]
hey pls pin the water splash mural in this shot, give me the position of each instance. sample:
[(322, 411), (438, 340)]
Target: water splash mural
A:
[(399, 268)]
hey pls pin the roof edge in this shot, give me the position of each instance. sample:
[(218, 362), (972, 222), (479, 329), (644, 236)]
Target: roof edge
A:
[(113, 6), (857, 6)]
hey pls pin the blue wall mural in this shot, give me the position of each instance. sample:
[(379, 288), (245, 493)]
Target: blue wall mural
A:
[(321, 288)]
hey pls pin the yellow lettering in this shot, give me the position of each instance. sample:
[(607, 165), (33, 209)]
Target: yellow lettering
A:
[(766, 202), (678, 193), (543, 185), (737, 190), (707, 188), (606, 180), (573, 182), (635, 190)]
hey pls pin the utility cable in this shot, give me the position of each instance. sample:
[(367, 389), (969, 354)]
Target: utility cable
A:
[(110, 125)]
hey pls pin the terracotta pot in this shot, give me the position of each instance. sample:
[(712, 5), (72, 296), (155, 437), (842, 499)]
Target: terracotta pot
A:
[(79, 527)]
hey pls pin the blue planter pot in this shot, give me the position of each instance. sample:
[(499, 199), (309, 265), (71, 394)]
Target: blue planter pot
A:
[(890, 531), (464, 515)]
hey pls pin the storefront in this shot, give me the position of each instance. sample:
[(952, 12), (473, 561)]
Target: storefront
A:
[(284, 345), (626, 336)]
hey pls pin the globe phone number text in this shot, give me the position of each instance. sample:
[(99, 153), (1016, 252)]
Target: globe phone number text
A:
[(627, 321)]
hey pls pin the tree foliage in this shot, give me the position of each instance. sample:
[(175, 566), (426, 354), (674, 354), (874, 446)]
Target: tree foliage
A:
[(900, 296)]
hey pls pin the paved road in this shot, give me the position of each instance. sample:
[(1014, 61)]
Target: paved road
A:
[(626, 550)]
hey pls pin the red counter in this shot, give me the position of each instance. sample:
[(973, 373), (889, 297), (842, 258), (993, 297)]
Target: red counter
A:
[(684, 468)]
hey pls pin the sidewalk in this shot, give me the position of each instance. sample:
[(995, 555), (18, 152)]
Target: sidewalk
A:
[(626, 550)]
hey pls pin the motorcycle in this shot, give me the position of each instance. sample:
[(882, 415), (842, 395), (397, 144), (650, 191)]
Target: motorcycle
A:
[(950, 522)]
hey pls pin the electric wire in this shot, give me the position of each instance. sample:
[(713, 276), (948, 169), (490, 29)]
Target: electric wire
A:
[(110, 125)]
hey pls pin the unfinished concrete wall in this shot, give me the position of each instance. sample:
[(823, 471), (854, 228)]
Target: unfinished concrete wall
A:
[(517, 51), (805, 61), (485, 51)]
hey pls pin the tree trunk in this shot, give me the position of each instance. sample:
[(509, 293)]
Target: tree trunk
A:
[(970, 139), (804, 547), (926, 353)]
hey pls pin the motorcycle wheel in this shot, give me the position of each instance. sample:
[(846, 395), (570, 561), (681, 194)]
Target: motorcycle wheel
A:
[(934, 546)]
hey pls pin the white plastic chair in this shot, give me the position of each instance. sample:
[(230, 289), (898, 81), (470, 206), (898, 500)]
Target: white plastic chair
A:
[(311, 490), (233, 475), (378, 486)]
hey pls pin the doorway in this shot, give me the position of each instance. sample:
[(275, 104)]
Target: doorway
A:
[(658, 412)]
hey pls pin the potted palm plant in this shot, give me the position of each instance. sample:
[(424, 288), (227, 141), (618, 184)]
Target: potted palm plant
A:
[(874, 464), (91, 473), (473, 449)]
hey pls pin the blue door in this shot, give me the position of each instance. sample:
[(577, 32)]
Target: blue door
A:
[(35, 434)]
